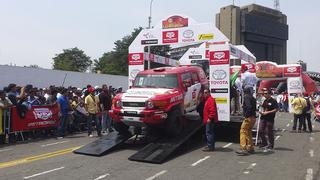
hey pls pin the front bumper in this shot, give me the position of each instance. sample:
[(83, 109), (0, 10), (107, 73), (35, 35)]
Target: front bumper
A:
[(138, 118)]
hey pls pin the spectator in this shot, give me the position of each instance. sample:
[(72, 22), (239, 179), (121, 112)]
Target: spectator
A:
[(285, 101), (268, 113), (249, 113), (92, 107), (248, 79), (63, 104), (200, 106), (279, 101), (5, 102), (32, 99), (298, 104), (307, 114), (210, 118), (105, 104)]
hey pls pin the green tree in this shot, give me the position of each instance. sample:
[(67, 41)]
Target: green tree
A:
[(116, 61), (72, 59)]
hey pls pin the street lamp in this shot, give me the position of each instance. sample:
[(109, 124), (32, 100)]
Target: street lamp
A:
[(149, 27)]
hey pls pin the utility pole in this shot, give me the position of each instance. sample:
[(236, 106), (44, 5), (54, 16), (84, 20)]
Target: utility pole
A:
[(276, 4), (149, 27)]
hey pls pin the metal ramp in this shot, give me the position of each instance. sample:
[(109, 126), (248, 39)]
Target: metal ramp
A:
[(103, 145), (159, 151)]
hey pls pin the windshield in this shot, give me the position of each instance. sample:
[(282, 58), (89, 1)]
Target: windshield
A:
[(156, 80)]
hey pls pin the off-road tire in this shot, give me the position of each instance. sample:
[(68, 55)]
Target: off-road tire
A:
[(174, 125), (122, 128)]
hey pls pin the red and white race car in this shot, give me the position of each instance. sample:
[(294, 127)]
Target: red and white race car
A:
[(159, 98)]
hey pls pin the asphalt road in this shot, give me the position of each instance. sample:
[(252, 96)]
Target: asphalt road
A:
[(296, 156)]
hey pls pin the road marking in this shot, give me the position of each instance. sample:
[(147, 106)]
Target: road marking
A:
[(200, 160), (45, 172), (291, 120), (311, 152), (313, 126), (102, 176), (157, 175), (227, 145), (36, 158), (283, 130), (309, 175), (45, 145), (249, 169), (3, 150), (288, 124), (277, 138)]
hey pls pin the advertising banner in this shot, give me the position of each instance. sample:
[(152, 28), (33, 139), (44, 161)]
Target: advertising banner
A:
[(219, 57), (35, 118), (271, 70), (295, 87), (133, 71)]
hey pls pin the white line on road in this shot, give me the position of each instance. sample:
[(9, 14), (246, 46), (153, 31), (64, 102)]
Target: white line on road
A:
[(45, 145), (288, 124), (277, 138), (313, 126), (309, 175), (200, 160), (157, 175), (45, 172), (102, 176), (247, 171), (291, 120), (283, 130), (311, 152), (3, 150), (227, 145)]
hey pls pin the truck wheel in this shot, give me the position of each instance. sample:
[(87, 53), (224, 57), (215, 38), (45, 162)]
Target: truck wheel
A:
[(174, 123), (122, 128)]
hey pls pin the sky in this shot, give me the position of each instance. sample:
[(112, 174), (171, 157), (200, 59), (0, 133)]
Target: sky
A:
[(34, 31)]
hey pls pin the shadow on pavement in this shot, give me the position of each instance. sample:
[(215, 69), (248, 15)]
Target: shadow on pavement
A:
[(283, 149)]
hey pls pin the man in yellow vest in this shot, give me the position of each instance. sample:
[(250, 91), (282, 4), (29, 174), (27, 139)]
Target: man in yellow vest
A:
[(298, 104), (92, 106)]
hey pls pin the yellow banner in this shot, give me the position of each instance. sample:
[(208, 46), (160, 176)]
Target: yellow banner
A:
[(1, 122), (221, 100)]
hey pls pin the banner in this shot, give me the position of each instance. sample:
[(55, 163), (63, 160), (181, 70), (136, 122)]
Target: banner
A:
[(1, 122), (35, 118), (295, 87), (271, 70)]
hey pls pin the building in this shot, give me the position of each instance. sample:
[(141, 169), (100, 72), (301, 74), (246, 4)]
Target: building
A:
[(264, 31)]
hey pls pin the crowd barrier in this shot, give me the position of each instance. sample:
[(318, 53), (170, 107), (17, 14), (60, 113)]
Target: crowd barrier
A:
[(37, 117)]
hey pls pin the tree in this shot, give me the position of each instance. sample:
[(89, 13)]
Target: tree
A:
[(116, 61), (72, 59)]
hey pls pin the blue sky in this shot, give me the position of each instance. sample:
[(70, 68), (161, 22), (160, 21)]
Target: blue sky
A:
[(33, 31)]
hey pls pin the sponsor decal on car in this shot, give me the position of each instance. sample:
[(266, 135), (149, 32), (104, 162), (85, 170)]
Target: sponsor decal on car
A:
[(176, 98)]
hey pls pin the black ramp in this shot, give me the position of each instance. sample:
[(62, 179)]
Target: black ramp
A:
[(102, 145), (158, 152)]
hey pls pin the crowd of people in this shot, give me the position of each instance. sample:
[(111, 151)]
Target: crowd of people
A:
[(78, 107)]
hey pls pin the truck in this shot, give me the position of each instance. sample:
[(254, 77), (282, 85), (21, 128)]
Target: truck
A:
[(159, 98)]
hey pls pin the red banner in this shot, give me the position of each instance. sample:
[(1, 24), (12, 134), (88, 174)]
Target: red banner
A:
[(170, 37), (35, 118), (175, 22), (219, 57), (136, 59)]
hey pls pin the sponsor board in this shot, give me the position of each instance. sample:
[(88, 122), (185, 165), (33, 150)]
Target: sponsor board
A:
[(149, 35), (220, 90), (136, 59), (149, 41), (175, 22), (170, 37), (220, 100), (219, 57), (293, 71), (195, 57), (202, 37), (188, 36), (42, 113), (207, 54), (219, 74)]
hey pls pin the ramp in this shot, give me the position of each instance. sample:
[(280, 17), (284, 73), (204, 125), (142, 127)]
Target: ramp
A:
[(103, 145), (158, 152)]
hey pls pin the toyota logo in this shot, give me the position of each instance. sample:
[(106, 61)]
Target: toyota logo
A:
[(188, 34), (219, 74), (295, 84)]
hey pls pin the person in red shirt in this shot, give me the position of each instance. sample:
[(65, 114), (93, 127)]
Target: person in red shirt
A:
[(210, 118)]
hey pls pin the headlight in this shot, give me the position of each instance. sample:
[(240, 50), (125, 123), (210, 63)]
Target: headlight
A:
[(149, 105), (118, 104)]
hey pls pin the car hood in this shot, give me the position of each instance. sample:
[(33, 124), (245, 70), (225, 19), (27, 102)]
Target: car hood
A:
[(146, 93)]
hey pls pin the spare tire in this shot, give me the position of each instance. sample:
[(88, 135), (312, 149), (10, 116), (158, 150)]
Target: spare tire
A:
[(174, 125)]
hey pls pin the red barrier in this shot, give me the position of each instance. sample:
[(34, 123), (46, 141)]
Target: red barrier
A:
[(35, 118)]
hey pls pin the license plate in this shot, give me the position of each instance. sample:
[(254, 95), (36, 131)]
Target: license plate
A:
[(130, 112)]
